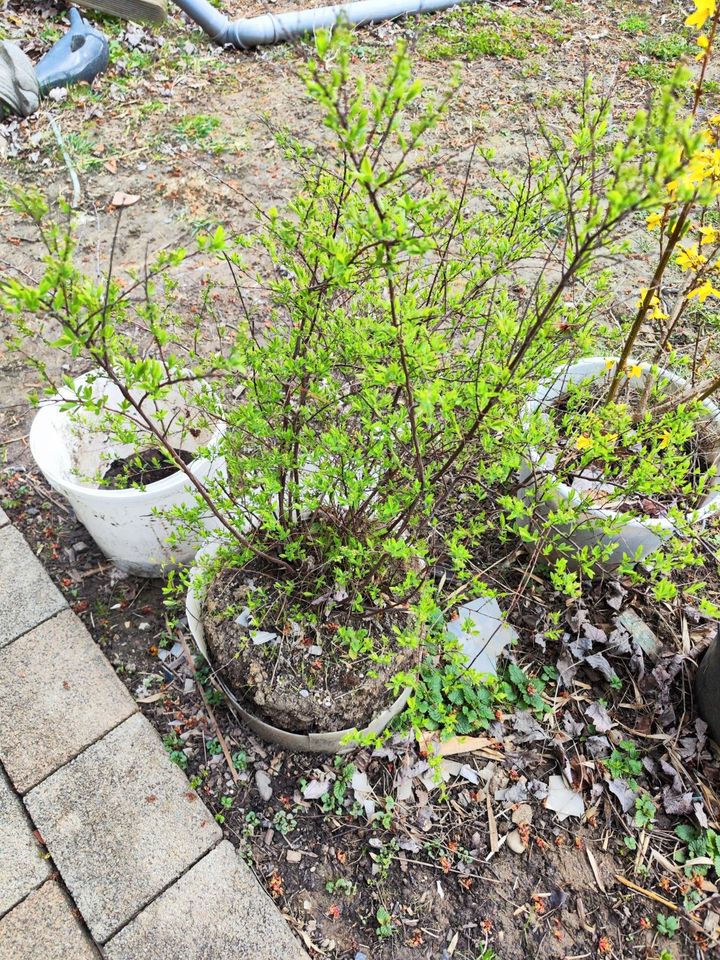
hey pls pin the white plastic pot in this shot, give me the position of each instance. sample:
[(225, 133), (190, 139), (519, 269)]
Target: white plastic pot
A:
[(123, 523), (645, 534), (330, 741)]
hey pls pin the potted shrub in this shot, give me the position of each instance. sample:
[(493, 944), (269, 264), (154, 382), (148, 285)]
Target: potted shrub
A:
[(384, 353), (629, 452), (128, 440)]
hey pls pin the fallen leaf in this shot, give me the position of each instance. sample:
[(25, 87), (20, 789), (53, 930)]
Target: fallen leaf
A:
[(121, 199)]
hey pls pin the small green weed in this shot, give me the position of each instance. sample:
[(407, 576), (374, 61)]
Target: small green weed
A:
[(635, 24), (624, 763), (284, 822), (342, 885), (666, 49), (197, 127), (667, 926), (700, 843), (386, 924), (645, 811), (174, 746)]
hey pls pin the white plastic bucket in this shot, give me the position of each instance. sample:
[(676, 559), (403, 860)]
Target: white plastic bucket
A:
[(638, 533), (123, 523)]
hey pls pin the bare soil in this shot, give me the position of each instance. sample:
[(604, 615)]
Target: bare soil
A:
[(299, 677)]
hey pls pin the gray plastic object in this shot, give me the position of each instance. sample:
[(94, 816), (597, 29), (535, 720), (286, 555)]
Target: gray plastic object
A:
[(275, 28), (78, 56), (19, 86)]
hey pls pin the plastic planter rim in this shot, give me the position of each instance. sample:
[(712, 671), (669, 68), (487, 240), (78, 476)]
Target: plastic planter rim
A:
[(596, 367)]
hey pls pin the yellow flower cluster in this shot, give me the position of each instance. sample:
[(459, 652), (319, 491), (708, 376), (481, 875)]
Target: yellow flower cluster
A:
[(704, 9), (655, 310)]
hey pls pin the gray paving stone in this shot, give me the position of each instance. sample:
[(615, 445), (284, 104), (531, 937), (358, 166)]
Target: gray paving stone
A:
[(22, 863), (4, 519), (44, 927), (27, 594), (58, 694), (121, 823), (216, 911)]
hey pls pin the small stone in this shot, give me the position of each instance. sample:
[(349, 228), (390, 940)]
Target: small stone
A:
[(315, 650), (294, 856), (514, 842), (360, 956), (523, 815), (262, 782)]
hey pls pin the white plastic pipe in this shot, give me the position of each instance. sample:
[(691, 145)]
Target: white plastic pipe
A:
[(274, 28)]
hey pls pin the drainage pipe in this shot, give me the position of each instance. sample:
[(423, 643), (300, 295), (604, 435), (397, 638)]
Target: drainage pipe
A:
[(274, 28)]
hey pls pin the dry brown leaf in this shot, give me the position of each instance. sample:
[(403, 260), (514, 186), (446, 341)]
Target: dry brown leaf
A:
[(121, 199)]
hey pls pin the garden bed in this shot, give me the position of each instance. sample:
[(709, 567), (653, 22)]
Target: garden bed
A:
[(419, 877)]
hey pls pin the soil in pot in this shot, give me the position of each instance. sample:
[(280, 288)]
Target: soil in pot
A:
[(299, 678), (141, 469)]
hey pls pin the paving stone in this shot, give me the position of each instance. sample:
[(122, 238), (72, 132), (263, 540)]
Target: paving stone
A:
[(22, 864), (58, 694), (216, 911), (44, 927), (4, 519), (121, 823), (27, 594)]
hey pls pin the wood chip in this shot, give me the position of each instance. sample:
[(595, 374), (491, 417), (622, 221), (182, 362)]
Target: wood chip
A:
[(492, 827), (594, 867)]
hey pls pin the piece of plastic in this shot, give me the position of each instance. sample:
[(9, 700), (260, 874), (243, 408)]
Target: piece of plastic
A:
[(123, 523), (330, 741), (78, 57), (19, 86), (482, 633)]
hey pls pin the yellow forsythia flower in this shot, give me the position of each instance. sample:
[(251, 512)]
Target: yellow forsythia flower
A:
[(609, 364), (704, 9), (583, 443), (665, 438), (703, 42), (656, 310), (704, 291), (654, 221), (634, 371), (690, 258), (709, 235)]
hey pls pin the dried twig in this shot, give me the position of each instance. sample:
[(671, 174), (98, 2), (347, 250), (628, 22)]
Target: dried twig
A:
[(218, 732)]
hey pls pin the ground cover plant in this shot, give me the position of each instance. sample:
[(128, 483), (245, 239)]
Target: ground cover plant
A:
[(405, 868)]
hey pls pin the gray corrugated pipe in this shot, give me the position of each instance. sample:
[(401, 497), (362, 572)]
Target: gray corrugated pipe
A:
[(273, 28)]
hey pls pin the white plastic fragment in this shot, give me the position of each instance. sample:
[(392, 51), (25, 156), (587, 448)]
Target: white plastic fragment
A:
[(482, 633), (262, 636), (562, 800)]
